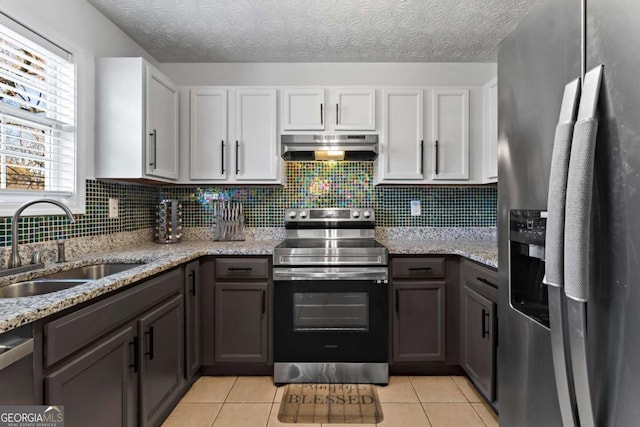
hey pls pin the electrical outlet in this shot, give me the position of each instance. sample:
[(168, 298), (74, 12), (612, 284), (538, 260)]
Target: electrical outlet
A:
[(416, 210), (113, 208)]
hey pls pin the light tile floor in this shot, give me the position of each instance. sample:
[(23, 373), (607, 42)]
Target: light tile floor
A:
[(406, 402)]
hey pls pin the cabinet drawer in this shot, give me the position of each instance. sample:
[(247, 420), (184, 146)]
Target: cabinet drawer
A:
[(417, 268), (242, 268), (70, 333), (479, 275)]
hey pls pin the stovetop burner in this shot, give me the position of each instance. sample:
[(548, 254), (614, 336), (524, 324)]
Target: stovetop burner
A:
[(330, 237)]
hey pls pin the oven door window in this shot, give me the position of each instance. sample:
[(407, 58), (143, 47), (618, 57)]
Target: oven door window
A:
[(339, 311)]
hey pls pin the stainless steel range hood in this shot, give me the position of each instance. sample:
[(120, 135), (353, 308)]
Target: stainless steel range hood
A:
[(300, 148)]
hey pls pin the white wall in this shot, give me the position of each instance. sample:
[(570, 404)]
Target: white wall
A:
[(358, 73), (79, 27)]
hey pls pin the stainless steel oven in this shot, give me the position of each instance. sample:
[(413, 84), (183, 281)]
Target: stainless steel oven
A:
[(331, 300)]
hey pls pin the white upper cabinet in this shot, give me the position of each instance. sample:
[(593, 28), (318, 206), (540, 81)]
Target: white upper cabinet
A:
[(450, 134), (162, 126), (402, 144), (136, 121), (208, 141), (345, 109), (232, 136), (354, 109), (255, 148), (490, 130), (303, 109)]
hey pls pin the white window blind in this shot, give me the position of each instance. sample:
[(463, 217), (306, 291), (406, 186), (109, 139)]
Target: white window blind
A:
[(37, 113)]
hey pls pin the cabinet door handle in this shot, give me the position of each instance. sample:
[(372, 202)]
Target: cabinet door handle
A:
[(192, 276), (421, 157), (337, 114), (397, 303), (150, 347), (154, 141), (437, 171), (419, 268), (133, 351), (237, 148), (321, 115), (264, 301), (240, 269), (485, 316), (222, 158), (486, 282)]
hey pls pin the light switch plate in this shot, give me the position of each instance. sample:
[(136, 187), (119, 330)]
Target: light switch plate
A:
[(113, 208), (416, 210)]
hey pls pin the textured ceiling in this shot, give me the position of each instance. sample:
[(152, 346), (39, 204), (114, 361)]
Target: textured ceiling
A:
[(317, 30)]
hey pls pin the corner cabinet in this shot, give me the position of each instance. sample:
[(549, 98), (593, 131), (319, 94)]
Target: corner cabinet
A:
[(136, 121), (450, 124), (478, 333), (233, 136), (345, 109)]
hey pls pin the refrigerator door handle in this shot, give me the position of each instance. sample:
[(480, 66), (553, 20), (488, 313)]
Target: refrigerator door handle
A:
[(554, 252), (577, 239)]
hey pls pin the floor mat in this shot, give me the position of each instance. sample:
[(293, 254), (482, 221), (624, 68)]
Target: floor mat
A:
[(330, 403)]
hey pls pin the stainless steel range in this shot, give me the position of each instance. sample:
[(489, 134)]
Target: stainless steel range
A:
[(331, 299)]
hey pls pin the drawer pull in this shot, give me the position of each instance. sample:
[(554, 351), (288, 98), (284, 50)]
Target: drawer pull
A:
[(240, 268), (486, 282), (150, 334), (420, 269)]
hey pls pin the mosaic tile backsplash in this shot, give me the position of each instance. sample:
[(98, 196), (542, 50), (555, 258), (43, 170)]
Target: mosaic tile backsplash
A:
[(344, 184), (136, 211), (309, 184)]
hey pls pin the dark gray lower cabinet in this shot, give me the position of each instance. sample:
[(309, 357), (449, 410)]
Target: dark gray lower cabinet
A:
[(192, 293), (478, 327), (98, 387), (133, 376), (478, 317), (418, 321), (161, 359), (241, 322)]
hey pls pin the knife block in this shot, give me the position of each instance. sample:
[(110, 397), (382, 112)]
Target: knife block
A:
[(229, 222)]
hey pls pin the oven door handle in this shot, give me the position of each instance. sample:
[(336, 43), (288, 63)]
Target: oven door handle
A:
[(298, 274)]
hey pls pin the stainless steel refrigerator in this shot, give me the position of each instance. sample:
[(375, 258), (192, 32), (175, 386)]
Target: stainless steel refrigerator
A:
[(596, 376)]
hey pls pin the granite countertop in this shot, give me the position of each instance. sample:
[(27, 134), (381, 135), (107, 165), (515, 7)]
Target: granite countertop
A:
[(482, 251), (154, 259)]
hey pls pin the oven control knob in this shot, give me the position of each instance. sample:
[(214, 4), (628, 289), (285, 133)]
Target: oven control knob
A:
[(366, 214), (355, 214), (292, 214), (303, 214)]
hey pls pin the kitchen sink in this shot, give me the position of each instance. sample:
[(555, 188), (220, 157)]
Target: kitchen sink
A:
[(37, 287), (92, 272)]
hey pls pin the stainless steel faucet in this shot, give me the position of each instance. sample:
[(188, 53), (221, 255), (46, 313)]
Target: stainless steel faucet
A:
[(14, 260)]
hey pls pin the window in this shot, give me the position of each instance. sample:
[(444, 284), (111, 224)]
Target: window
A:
[(37, 115)]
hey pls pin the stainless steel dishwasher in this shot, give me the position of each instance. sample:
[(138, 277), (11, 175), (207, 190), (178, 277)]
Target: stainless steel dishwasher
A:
[(16, 366)]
